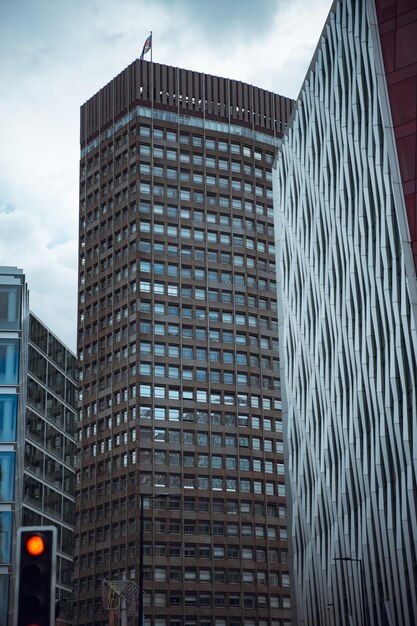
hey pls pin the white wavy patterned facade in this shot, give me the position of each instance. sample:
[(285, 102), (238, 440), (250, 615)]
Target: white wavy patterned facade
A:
[(347, 290)]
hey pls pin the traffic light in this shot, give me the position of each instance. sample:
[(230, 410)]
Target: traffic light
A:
[(35, 576)]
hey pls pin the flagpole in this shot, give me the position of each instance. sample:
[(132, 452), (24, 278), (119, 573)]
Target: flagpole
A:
[(152, 87)]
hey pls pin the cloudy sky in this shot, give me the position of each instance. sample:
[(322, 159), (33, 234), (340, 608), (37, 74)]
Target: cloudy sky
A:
[(55, 54)]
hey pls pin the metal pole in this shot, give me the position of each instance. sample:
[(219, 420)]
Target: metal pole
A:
[(365, 621), (141, 621), (142, 496), (361, 574), (123, 612)]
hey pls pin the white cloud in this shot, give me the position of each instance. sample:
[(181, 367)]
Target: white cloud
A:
[(57, 55), (50, 271)]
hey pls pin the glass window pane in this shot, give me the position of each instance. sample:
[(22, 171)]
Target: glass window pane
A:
[(36, 396), (8, 408), (38, 334), (37, 364), (5, 541), (9, 361), (10, 307), (7, 461), (4, 588)]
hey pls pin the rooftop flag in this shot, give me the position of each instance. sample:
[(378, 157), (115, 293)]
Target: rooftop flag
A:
[(146, 46)]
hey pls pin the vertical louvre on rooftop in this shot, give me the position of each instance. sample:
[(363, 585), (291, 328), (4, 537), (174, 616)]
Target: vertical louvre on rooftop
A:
[(185, 92)]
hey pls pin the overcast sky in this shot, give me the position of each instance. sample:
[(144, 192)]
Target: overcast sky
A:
[(55, 54)]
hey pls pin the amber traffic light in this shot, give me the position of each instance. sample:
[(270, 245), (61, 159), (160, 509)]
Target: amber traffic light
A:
[(36, 576), (35, 545)]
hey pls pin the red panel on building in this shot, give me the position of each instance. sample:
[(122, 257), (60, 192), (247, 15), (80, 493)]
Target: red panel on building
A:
[(397, 21)]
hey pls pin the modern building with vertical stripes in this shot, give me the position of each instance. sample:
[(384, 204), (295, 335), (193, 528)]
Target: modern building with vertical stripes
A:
[(346, 234), (178, 350)]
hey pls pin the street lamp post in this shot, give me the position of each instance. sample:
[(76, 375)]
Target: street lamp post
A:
[(349, 558), (142, 497), (330, 607)]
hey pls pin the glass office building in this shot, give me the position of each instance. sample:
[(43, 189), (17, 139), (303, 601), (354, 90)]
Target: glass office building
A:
[(37, 416), (177, 343), (13, 302)]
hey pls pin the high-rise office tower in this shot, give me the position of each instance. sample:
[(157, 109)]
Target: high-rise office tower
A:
[(178, 351), (37, 444), (346, 229)]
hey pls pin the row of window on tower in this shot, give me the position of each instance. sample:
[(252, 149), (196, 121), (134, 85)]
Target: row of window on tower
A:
[(198, 216)]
